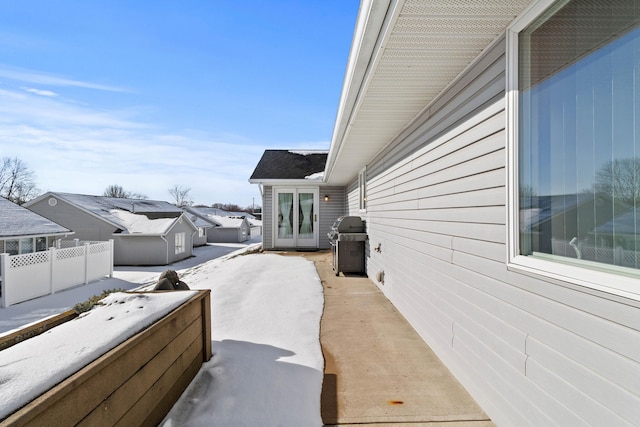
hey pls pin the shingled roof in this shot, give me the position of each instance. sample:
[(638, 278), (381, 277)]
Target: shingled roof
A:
[(289, 164), (16, 221)]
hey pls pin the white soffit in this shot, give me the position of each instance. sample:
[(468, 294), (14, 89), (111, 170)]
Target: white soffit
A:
[(426, 45)]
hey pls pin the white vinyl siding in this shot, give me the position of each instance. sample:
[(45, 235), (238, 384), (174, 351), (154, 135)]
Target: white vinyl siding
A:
[(267, 217), (329, 211), (531, 352)]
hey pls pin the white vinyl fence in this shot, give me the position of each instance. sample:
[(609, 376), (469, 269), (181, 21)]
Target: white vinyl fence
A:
[(23, 277)]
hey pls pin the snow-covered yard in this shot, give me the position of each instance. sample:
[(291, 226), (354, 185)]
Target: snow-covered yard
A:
[(267, 366)]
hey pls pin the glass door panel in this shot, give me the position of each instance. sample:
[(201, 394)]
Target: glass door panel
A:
[(307, 218), (296, 218)]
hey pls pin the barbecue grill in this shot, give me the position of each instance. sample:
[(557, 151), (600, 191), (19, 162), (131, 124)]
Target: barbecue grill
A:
[(347, 237)]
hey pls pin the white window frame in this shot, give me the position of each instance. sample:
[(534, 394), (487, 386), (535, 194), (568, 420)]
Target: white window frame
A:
[(181, 240), (618, 281), (362, 190)]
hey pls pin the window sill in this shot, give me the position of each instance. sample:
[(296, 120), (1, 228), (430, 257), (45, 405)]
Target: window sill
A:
[(623, 284)]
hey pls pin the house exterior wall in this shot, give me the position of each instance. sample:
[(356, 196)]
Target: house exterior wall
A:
[(139, 250), (152, 250), (226, 235), (200, 240), (180, 227), (327, 214), (329, 211), (128, 250), (267, 217), (86, 226), (530, 351)]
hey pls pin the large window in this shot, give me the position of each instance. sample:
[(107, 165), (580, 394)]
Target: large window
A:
[(578, 135)]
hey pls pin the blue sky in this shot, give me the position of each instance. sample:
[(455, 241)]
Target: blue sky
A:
[(151, 94)]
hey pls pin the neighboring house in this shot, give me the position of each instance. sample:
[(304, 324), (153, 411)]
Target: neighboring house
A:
[(224, 229), (298, 206), (203, 226), (451, 121), (255, 226), (145, 232), (23, 231)]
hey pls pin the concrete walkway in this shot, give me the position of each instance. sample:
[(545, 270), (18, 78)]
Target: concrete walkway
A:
[(378, 371)]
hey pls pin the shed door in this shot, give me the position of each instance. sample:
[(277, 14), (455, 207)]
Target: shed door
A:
[(296, 218)]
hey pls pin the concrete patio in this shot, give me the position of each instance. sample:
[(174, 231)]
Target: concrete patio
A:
[(378, 371)]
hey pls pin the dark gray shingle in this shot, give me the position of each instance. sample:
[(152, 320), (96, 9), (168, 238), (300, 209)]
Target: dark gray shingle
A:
[(18, 221), (289, 164)]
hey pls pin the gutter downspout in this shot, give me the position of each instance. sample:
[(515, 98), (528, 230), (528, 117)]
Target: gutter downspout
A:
[(167, 251)]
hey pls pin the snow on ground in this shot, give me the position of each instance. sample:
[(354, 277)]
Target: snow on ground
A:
[(267, 367), (124, 277)]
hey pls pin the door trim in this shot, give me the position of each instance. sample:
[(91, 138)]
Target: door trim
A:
[(294, 241)]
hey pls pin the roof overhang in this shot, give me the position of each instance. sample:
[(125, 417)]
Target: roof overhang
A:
[(404, 54), (31, 236), (289, 182)]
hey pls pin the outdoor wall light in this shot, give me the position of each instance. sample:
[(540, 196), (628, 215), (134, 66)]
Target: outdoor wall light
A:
[(326, 198)]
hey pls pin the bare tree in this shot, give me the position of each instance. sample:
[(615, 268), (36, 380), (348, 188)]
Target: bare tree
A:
[(620, 179), (118, 192), (17, 181), (181, 195)]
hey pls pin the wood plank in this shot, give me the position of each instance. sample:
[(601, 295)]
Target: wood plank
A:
[(146, 405), (206, 327), (176, 390), (123, 398), (73, 398)]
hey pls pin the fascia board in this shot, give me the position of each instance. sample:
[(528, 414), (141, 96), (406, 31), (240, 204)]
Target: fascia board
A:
[(296, 182), (369, 32), (24, 236)]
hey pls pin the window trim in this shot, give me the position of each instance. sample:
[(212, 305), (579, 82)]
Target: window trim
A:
[(622, 282), (180, 243)]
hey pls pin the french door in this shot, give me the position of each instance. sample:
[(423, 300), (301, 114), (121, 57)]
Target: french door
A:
[(296, 217)]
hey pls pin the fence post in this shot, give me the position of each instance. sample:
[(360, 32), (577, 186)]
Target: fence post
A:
[(4, 261), (77, 242), (111, 256), (86, 263), (618, 255), (52, 261)]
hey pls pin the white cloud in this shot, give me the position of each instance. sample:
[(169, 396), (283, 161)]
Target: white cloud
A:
[(77, 148), (40, 92), (38, 77)]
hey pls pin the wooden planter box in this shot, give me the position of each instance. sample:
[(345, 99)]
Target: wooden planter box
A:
[(134, 384)]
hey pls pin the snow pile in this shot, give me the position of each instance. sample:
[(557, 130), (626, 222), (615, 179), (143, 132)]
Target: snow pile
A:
[(227, 221), (32, 367), (267, 367), (308, 152), (138, 223), (319, 176)]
